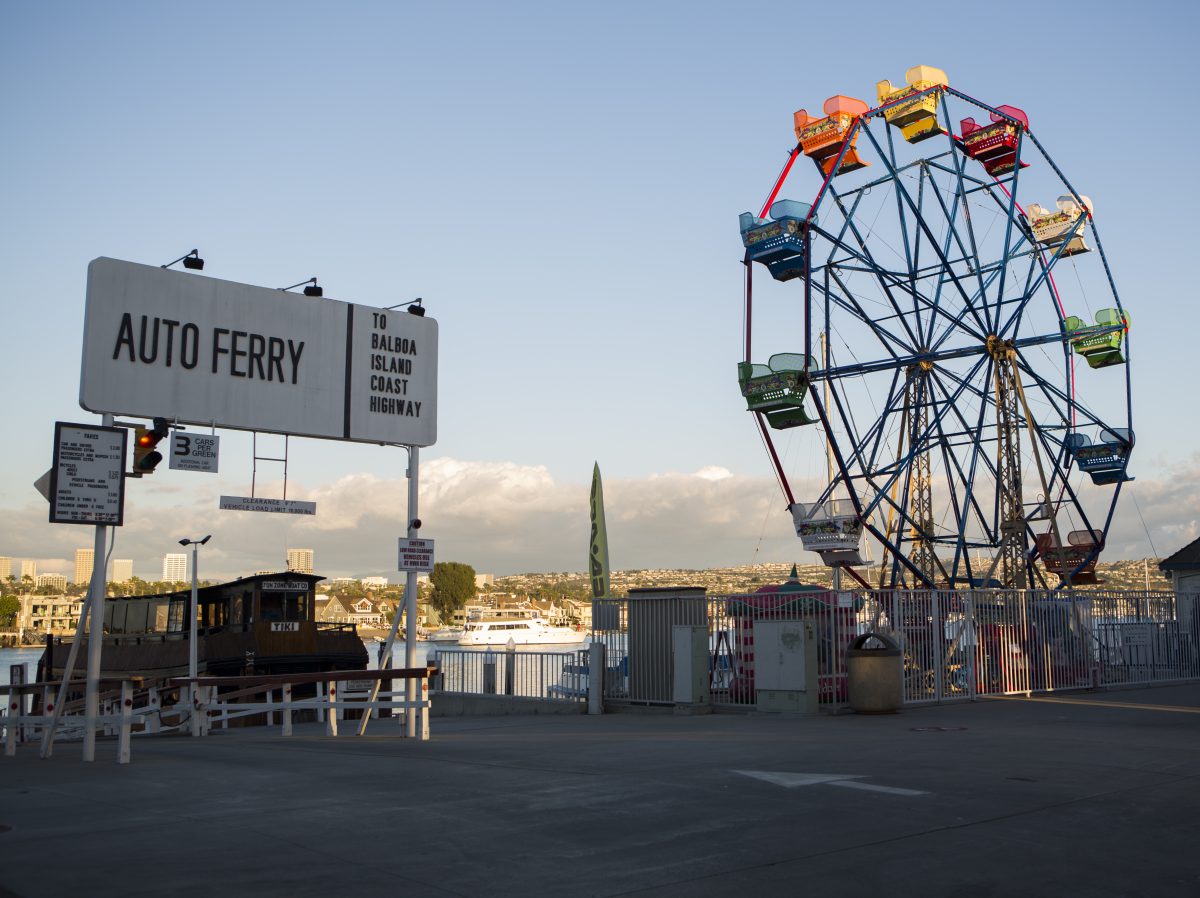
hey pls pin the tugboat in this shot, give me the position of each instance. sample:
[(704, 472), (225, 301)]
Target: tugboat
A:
[(263, 624)]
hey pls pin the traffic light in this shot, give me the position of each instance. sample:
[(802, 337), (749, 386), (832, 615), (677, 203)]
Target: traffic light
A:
[(145, 457)]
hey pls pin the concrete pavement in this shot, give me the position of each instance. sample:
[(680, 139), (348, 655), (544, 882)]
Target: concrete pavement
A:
[(1080, 794)]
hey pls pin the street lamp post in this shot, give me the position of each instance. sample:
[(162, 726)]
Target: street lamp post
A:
[(193, 646)]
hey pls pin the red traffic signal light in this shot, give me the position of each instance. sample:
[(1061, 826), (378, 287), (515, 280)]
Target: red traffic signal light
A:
[(145, 457)]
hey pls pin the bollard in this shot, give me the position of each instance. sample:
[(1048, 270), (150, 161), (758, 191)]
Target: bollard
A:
[(287, 709), (424, 709), (17, 677), (510, 667), (331, 717), (596, 677), (194, 695), (489, 672), (126, 722), (153, 716), (15, 700)]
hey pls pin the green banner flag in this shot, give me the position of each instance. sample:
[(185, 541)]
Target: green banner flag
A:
[(598, 551)]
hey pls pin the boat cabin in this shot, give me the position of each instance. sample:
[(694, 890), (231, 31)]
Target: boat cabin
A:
[(832, 529), (1099, 343), (1106, 459), (777, 389), (995, 145), (260, 624), (779, 242), (821, 139), (913, 107)]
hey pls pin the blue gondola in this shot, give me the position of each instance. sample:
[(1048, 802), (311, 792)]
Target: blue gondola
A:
[(1105, 460), (779, 241)]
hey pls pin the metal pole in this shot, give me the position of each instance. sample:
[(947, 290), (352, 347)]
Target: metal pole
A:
[(410, 600), (91, 695), (836, 572), (193, 647)]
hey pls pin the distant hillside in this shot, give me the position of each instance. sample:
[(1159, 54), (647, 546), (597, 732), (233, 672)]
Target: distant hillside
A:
[(1121, 575)]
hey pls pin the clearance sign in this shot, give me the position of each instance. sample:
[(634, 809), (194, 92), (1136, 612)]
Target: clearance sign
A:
[(198, 350)]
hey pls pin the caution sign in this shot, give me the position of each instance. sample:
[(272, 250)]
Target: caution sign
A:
[(416, 555)]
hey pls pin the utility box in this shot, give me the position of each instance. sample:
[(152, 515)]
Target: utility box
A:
[(689, 644), (785, 666)]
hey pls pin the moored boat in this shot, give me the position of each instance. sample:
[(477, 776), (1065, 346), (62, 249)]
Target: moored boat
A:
[(529, 628), (263, 624)]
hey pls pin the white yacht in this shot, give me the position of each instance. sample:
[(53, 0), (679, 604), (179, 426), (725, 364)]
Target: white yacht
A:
[(529, 628)]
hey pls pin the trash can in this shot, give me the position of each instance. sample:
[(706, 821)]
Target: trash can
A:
[(875, 674)]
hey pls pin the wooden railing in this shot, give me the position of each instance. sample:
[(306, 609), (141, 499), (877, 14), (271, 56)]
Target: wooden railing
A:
[(127, 707)]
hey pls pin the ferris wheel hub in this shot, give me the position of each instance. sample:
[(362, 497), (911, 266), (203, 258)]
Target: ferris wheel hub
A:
[(1000, 349)]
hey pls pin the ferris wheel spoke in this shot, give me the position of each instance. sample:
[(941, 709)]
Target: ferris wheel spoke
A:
[(905, 199), (865, 255)]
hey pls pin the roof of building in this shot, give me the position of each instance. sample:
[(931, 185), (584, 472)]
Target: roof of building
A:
[(1186, 558)]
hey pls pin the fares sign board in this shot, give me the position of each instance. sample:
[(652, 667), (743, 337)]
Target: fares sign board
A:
[(198, 350), (87, 483)]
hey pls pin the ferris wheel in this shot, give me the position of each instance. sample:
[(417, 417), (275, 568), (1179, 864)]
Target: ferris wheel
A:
[(954, 351)]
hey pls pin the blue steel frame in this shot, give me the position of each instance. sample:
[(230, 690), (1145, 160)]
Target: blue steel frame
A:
[(943, 307)]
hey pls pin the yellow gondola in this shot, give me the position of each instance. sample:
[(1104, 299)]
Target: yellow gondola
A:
[(916, 117)]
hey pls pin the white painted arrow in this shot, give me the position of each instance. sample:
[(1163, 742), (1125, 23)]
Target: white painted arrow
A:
[(846, 780)]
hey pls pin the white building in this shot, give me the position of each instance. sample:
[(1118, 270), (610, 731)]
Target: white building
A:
[(54, 581), (122, 570), (175, 567), (5, 567), (28, 568), (300, 560), (84, 560), (49, 614)]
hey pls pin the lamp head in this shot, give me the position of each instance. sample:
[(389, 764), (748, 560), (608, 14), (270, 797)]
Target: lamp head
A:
[(192, 261)]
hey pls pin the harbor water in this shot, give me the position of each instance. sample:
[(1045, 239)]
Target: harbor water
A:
[(426, 651)]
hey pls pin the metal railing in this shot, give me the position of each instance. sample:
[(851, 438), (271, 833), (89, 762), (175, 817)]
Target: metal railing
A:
[(528, 674), (957, 644)]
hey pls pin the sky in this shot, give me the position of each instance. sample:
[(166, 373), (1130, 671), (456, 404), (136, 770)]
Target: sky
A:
[(560, 183)]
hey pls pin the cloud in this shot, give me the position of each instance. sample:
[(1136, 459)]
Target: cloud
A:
[(502, 517)]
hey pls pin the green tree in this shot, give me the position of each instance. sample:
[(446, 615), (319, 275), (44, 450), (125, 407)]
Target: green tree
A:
[(453, 586), (9, 606)]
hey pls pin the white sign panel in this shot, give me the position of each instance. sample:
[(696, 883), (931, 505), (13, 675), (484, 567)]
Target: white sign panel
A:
[(195, 452), (416, 555), (279, 506), (285, 626), (159, 342), (284, 585), (87, 480)]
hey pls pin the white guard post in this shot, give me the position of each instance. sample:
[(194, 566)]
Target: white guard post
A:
[(596, 678)]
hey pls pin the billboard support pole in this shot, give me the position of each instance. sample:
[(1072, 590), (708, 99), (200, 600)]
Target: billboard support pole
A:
[(95, 642), (410, 599)]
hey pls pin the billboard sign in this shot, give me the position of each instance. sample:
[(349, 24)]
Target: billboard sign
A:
[(203, 351)]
